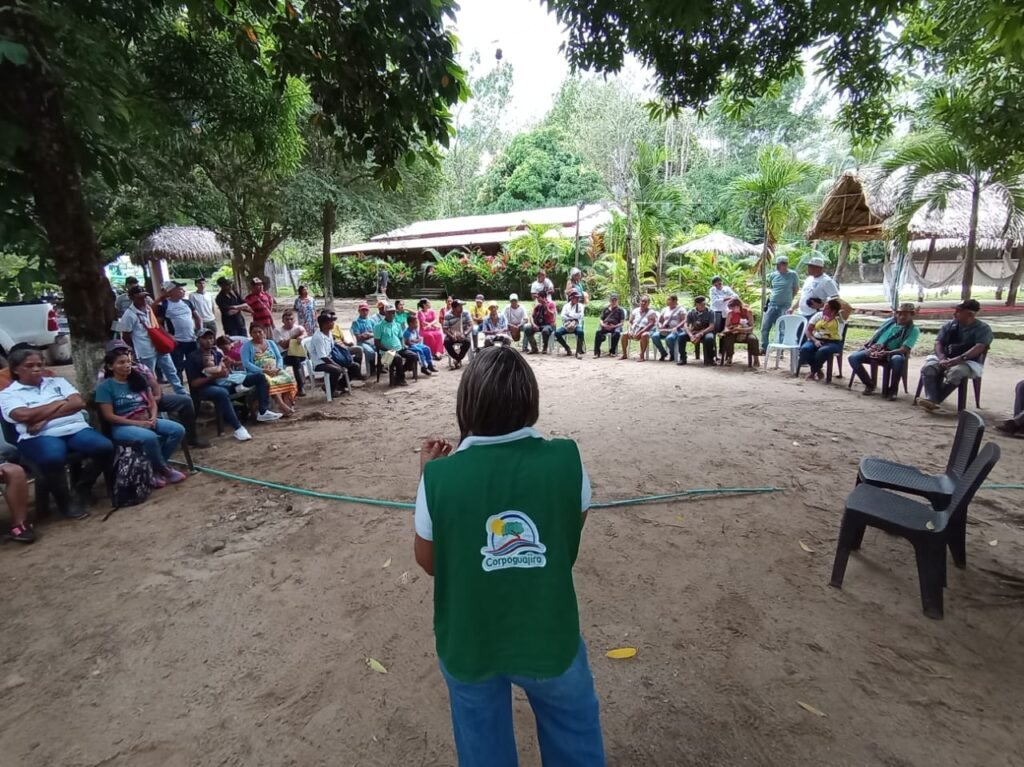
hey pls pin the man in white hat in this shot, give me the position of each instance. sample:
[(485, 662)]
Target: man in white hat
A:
[(515, 318), (181, 321), (782, 287), (817, 285)]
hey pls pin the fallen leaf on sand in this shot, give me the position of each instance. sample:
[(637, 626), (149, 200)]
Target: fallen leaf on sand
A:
[(993, 543), (929, 525), (811, 709), (796, 444), (621, 653), (387, 563), (376, 665), (805, 547)]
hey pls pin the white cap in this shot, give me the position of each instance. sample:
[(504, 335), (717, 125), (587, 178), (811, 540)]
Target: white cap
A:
[(513, 297), (817, 261)]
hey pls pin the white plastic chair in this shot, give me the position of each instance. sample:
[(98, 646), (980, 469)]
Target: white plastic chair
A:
[(314, 375), (788, 333)]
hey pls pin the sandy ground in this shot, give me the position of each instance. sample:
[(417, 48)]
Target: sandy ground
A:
[(222, 624)]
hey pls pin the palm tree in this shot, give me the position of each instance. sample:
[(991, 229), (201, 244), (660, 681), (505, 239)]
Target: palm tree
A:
[(930, 167), (774, 196)]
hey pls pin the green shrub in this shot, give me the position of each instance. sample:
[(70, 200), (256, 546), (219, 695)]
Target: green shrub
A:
[(694, 278), (357, 276)]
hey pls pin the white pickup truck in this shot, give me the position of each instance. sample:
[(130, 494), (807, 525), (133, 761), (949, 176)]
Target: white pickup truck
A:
[(34, 323)]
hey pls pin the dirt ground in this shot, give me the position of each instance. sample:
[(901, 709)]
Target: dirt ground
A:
[(222, 624)]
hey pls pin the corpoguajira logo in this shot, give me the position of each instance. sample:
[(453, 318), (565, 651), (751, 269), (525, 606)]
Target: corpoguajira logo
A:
[(512, 541)]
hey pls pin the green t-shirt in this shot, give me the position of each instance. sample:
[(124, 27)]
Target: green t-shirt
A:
[(124, 401), (389, 334), (506, 523), (783, 287), (891, 337)]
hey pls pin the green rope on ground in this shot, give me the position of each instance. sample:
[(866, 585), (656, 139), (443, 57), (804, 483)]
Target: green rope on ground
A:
[(407, 505), (1003, 486)]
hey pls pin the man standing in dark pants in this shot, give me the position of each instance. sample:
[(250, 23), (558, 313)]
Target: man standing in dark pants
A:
[(231, 307), (700, 329), (612, 319), (207, 377), (458, 330)]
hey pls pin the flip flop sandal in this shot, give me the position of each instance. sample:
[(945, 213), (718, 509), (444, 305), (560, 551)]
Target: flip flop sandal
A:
[(22, 534)]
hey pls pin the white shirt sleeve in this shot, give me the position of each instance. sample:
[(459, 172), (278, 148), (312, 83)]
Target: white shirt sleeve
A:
[(587, 493), (424, 524)]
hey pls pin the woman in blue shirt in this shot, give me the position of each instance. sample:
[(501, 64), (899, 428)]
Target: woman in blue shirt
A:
[(125, 403)]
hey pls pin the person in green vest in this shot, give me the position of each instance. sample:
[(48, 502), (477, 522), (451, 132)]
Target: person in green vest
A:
[(501, 552)]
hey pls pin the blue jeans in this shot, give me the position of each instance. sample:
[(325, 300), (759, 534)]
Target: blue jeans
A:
[(672, 339), (816, 356), (369, 356), (771, 316), (52, 452), (163, 363), (158, 443), (565, 707), (221, 398), (424, 353)]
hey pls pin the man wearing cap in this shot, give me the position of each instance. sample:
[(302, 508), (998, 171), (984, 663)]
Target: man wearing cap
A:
[(960, 350), (231, 308), (321, 348), (209, 382), (720, 295), (201, 303), (890, 345), (669, 328), (515, 319), (495, 327), (262, 305), (180, 406), (576, 283), (362, 332), (782, 287), (542, 320), (135, 324), (817, 285), (181, 320), (541, 285), (123, 300), (477, 313), (572, 322), (458, 328), (387, 336), (700, 331), (613, 317), (379, 316)]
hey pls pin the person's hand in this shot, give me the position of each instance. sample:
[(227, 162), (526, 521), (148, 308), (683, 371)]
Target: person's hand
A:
[(35, 428), (947, 363), (434, 448), (817, 343), (789, 311)]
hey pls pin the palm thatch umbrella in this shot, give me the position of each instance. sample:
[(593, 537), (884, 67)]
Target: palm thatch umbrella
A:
[(717, 242), (184, 243)]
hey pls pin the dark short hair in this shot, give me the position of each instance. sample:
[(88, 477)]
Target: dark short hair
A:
[(131, 280), (497, 394), (323, 319), (261, 326), (421, 303), (700, 300), (834, 304)]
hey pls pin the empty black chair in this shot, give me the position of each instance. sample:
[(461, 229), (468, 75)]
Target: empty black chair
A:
[(928, 530), (937, 488)]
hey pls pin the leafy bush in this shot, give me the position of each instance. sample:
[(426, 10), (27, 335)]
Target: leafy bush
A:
[(357, 276), (694, 277)]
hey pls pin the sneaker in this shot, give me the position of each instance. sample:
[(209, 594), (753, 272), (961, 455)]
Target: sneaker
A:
[(174, 476), (242, 434), (22, 534), (159, 482), (868, 391), (242, 389), (426, 372), (1007, 427), (267, 416)]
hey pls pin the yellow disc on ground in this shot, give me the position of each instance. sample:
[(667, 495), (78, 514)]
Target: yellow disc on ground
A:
[(621, 653)]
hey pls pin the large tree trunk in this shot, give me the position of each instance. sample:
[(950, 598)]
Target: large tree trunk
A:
[(36, 102), (1018, 273), (328, 266), (972, 245), (842, 260)]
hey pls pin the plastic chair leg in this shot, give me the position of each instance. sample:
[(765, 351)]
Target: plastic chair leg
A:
[(961, 395), (977, 392), (327, 387), (851, 530), (931, 573), (956, 539)]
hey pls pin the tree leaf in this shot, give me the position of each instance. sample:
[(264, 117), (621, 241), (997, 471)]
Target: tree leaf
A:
[(621, 653), (811, 709), (376, 665), (805, 547), (13, 52), (387, 563), (929, 525)]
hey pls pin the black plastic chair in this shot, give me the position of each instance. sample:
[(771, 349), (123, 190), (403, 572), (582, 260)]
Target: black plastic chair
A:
[(34, 471), (937, 488), (929, 531), (890, 387), (961, 392)]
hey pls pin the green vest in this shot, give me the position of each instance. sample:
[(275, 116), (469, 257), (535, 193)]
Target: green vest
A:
[(506, 526)]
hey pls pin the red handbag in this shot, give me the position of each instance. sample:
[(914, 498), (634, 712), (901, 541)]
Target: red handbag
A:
[(160, 338)]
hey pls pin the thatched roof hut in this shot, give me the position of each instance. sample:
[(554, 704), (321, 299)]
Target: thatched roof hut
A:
[(183, 243), (717, 242), (858, 205)]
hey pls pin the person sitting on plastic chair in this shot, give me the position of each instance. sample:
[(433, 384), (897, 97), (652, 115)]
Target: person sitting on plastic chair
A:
[(16, 492), (824, 335), (613, 317), (542, 320), (700, 331), (572, 322), (670, 329), (389, 337), (477, 313), (414, 343), (890, 345), (960, 350), (458, 327), (321, 355), (495, 328)]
